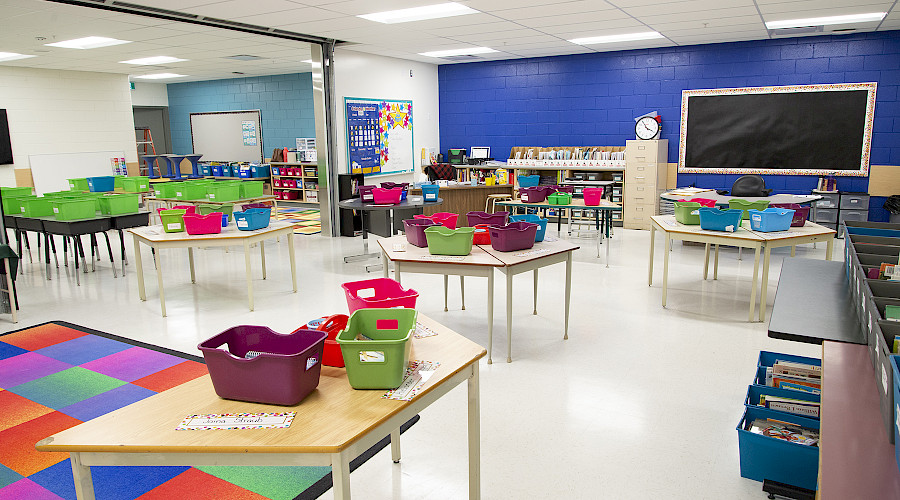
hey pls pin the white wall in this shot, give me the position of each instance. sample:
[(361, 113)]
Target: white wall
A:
[(149, 94), (54, 111), (357, 74)]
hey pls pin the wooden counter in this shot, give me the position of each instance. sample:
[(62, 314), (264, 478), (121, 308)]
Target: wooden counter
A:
[(464, 198)]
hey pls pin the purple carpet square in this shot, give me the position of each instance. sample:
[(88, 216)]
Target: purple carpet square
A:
[(132, 364), (106, 402), (9, 350), (26, 489), (27, 367), (83, 349)]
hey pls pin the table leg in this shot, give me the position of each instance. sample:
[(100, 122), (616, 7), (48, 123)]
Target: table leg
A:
[(385, 272), (191, 263), (716, 265), (11, 290), (490, 311), (249, 273), (395, 445), (396, 271), (763, 286), (340, 476), (535, 291), (47, 252), (509, 286), (793, 250), (84, 483), (668, 244), (753, 286), (474, 426), (462, 291), (122, 244), (80, 245), (829, 248), (705, 261), (159, 281), (109, 251), (445, 292), (140, 269), (650, 266), (262, 257), (568, 291), (608, 244), (293, 259)]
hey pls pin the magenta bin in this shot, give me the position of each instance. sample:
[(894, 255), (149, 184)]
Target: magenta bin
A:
[(188, 209), (284, 372), (494, 219), (402, 185), (386, 196), (592, 196), (445, 219), (801, 212), (379, 292), (704, 202), (513, 236), (365, 194), (210, 223), (415, 231), (536, 194)]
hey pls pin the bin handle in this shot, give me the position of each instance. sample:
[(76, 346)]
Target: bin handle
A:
[(335, 322)]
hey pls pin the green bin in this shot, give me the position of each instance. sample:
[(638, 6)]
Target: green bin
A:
[(683, 211), (208, 208), (167, 189), (15, 191), (224, 191), (36, 207), (173, 220), (375, 346), (251, 189), (136, 184), (119, 204), (559, 199), (12, 205), (68, 209), (737, 203), (79, 184), (118, 181), (190, 191), (445, 241)]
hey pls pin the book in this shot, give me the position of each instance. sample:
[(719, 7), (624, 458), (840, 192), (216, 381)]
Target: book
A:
[(802, 388), (785, 431), (790, 405), (778, 380), (892, 312), (896, 349), (797, 369)]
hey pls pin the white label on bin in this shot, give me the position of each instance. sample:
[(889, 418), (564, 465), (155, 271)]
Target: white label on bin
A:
[(173, 226), (242, 223), (212, 196), (371, 356), (55, 210), (311, 362), (730, 229), (178, 194)]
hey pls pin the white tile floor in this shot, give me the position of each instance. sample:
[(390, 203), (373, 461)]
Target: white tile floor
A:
[(640, 402)]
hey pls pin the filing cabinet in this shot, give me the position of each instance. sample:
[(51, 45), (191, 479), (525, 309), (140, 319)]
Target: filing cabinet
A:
[(646, 164), (835, 208)]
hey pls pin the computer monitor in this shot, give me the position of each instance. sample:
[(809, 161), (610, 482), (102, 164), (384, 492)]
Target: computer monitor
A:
[(480, 152), (455, 156)]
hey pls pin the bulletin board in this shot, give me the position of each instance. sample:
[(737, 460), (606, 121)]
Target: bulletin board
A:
[(228, 135), (379, 136)]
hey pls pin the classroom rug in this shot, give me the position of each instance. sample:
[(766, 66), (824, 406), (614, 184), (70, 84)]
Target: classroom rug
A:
[(56, 375), (307, 219)]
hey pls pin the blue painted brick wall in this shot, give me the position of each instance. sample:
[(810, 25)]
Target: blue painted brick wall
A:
[(285, 103), (591, 99)]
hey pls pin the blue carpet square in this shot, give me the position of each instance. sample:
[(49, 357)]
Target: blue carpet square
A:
[(128, 483), (8, 476), (83, 349), (106, 402), (57, 479), (9, 350)]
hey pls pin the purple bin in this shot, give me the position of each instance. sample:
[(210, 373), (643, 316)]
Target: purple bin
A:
[(415, 231), (565, 189), (248, 206), (263, 366), (513, 236), (494, 219), (366, 194), (801, 212), (536, 194)]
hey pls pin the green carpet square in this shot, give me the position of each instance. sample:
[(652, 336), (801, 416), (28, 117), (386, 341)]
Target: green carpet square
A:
[(277, 483), (67, 387)]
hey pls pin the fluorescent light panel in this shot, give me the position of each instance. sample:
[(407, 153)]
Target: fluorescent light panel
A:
[(159, 76), (12, 56), (436, 11), (627, 37), (825, 21), (153, 60), (459, 52), (89, 42)]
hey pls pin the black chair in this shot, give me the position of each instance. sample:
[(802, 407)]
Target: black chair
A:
[(750, 185)]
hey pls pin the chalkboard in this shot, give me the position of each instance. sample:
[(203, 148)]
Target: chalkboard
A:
[(809, 129), (228, 135)]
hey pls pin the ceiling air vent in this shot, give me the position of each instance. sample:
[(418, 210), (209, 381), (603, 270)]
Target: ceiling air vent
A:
[(155, 10), (244, 57), (803, 30), (463, 58)]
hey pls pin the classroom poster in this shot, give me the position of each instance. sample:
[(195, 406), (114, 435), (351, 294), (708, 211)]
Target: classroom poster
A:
[(379, 136), (248, 132)]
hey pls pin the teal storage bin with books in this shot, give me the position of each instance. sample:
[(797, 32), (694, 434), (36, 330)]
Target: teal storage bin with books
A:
[(764, 457), (807, 404)]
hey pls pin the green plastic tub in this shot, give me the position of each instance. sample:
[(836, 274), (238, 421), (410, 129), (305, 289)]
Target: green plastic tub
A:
[(118, 181), (207, 208), (683, 214), (173, 220), (224, 191), (167, 189), (190, 191), (737, 203), (79, 184), (68, 209), (375, 346), (444, 241), (136, 184), (14, 191), (12, 205), (119, 204), (560, 199), (251, 189), (36, 207)]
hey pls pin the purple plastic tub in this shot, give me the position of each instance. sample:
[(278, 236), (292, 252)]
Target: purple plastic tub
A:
[(801, 212), (415, 231), (565, 189), (536, 194), (513, 236), (366, 194), (494, 219), (263, 366), (248, 206)]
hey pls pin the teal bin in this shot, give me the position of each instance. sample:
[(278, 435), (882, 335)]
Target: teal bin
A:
[(763, 457)]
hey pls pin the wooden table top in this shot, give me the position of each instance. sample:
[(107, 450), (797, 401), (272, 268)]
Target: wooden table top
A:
[(576, 203), (808, 229), (329, 420), (156, 234), (265, 197), (539, 250), (412, 253), (670, 225)]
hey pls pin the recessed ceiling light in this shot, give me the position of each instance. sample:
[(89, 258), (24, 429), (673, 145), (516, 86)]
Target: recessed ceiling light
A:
[(459, 52), (436, 11), (628, 37), (89, 42), (154, 60), (825, 21), (12, 56), (158, 76)]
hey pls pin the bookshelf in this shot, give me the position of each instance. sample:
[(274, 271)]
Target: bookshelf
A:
[(296, 181)]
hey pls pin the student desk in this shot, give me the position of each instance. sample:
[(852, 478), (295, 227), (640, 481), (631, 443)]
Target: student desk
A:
[(266, 198), (481, 262), (156, 238), (333, 425)]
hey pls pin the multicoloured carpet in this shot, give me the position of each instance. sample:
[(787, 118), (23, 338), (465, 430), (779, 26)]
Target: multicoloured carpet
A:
[(56, 375), (308, 219)]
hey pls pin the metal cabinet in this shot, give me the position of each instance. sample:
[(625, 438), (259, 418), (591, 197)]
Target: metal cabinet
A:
[(835, 208)]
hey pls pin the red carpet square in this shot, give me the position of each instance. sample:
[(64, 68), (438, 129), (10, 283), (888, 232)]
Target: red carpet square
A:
[(172, 376), (18, 451), (17, 409), (202, 487), (42, 336)]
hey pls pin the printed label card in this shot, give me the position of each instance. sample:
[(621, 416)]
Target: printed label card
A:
[(417, 373), (242, 421)]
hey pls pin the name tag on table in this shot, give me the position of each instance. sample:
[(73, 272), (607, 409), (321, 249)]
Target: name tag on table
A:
[(398, 247), (417, 373), (444, 258), (532, 252), (242, 421)]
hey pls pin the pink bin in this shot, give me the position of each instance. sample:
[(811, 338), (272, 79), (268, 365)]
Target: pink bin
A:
[(801, 213), (386, 196), (704, 202), (263, 366), (513, 236), (415, 231), (592, 196), (494, 219), (378, 293), (210, 223), (445, 219), (188, 209)]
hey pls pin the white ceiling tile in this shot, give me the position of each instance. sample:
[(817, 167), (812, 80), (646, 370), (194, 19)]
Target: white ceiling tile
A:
[(279, 19), (495, 27), (701, 22), (595, 29), (501, 5), (739, 7), (232, 9), (605, 16), (549, 9), (359, 7), (819, 8)]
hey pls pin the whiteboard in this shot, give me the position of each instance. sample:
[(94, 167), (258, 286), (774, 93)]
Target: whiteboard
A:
[(228, 135), (52, 171)]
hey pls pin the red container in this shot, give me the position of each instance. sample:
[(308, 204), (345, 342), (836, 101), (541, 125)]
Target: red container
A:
[(332, 325), (210, 223), (704, 202), (280, 369), (482, 235), (276, 183), (495, 219), (535, 194), (365, 194), (592, 196), (290, 195), (378, 293), (386, 196), (513, 236), (415, 231), (445, 219), (801, 213)]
